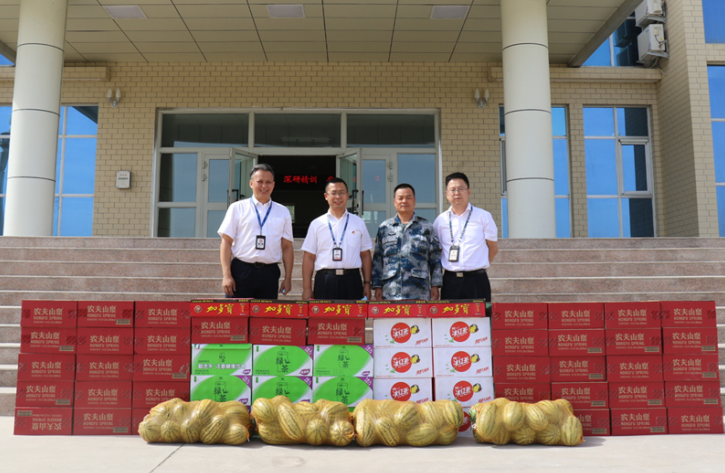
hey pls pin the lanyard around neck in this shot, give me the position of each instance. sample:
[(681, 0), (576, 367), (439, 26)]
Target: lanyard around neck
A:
[(450, 226), (259, 219), (332, 234)]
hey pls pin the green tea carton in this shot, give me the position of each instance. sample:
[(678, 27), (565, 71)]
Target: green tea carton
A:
[(344, 360), (282, 360), (222, 388), (349, 390), (225, 359), (296, 388)]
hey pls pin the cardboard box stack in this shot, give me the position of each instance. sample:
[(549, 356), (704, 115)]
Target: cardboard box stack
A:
[(281, 358), (221, 355), (690, 365), (634, 368), (46, 368), (577, 345), (519, 340), (343, 366), (462, 361)]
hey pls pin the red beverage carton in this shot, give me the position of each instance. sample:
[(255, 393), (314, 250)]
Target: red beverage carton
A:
[(688, 314), (58, 314), (459, 362), (576, 342), (137, 416), (397, 309), (582, 395), (161, 367), (578, 368), (43, 421), (105, 314), (219, 308), (278, 309), (636, 395), (695, 420), (690, 367), (595, 422), (520, 343), (681, 340), (516, 316), (632, 315), (47, 340), (147, 394), (639, 421), (39, 393), (105, 341), (576, 315), (173, 341), (336, 331), (162, 314), (456, 309), (219, 330), (104, 368), (634, 368), (101, 421), (33, 366), (524, 392), (103, 394), (269, 331), (338, 309), (521, 369), (692, 393), (634, 341)]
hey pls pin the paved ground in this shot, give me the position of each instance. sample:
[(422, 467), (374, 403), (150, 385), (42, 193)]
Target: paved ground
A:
[(130, 454)]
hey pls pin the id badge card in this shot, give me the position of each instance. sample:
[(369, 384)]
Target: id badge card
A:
[(261, 242), (337, 254), (453, 254)]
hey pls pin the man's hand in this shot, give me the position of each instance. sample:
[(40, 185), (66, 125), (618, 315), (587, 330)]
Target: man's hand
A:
[(229, 285), (367, 292), (307, 294), (435, 293), (378, 293), (286, 286)]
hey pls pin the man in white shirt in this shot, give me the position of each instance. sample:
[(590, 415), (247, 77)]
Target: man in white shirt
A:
[(337, 246), (468, 237), (256, 233)]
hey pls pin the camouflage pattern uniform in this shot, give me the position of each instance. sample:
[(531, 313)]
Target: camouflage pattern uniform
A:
[(407, 259)]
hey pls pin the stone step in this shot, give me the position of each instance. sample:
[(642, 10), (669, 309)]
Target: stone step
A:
[(9, 353), (718, 297), (7, 401), (8, 375), (10, 314), (9, 333), (595, 256)]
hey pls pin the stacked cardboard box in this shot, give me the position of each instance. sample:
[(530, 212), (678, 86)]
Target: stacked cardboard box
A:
[(462, 362), (281, 358), (521, 363), (46, 368), (691, 375), (221, 355), (578, 366)]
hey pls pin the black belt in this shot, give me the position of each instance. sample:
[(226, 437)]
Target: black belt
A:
[(460, 274), (256, 265), (339, 272)]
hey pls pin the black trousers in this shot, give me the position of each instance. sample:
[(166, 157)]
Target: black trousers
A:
[(257, 283), (470, 286), (346, 287)]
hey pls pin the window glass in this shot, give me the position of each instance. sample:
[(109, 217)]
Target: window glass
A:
[(82, 120), (721, 209), (603, 217), (5, 114), (374, 179), (373, 219), (4, 150), (634, 167), (637, 221), (563, 219), (632, 122), (504, 217), (58, 163), (626, 52), (561, 167), (716, 78), (297, 130), (77, 217), (418, 170), (718, 147), (218, 180), (177, 222), (56, 208), (598, 121), (713, 12), (502, 121), (5, 61), (2, 214), (214, 219), (601, 57), (411, 131), (601, 167), (178, 178), (204, 130), (558, 121), (428, 214), (79, 167)]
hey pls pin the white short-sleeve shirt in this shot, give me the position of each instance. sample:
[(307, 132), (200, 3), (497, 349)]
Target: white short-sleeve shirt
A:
[(319, 241), (241, 224), (473, 252)]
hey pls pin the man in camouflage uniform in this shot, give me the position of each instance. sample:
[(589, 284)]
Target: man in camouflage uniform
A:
[(407, 258)]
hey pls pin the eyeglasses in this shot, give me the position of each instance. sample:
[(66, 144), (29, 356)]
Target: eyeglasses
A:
[(337, 194), (457, 190)]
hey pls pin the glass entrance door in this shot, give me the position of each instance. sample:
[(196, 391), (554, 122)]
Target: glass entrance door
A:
[(349, 170)]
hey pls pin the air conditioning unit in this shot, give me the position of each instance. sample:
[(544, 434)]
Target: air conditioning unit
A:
[(648, 12), (652, 44)]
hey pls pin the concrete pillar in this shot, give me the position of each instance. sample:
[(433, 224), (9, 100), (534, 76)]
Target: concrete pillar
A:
[(527, 105), (36, 111)]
